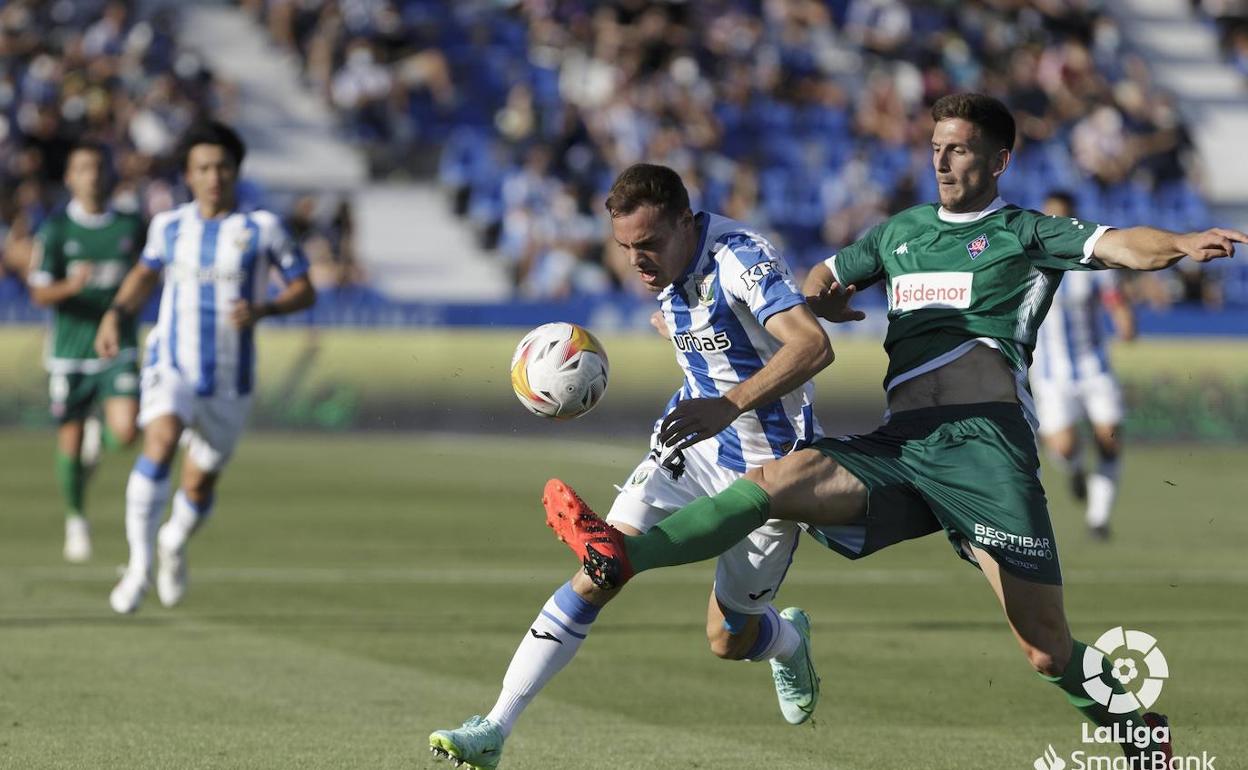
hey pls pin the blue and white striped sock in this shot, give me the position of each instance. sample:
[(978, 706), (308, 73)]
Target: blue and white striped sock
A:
[(549, 645), (147, 491), (777, 638)]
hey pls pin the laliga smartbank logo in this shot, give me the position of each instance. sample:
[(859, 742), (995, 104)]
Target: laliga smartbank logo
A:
[(1122, 648), (1133, 660)]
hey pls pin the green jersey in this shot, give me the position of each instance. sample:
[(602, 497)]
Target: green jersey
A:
[(958, 280), (107, 245)]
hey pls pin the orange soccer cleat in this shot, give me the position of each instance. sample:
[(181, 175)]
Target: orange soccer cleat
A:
[(598, 545)]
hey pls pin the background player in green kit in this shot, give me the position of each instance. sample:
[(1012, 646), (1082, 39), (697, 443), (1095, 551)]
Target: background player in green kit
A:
[(968, 282), (81, 255)]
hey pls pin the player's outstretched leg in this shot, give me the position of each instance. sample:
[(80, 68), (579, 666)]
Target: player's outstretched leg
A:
[(478, 743), (598, 545), (172, 575), (797, 684)]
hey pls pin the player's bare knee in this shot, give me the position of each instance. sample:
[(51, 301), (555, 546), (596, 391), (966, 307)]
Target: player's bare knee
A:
[(585, 588), (124, 433)]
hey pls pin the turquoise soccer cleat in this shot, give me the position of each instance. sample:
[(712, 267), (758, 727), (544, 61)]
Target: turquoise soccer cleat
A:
[(797, 684), (478, 744)]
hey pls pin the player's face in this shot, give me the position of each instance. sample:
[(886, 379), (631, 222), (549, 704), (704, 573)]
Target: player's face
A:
[(657, 247), (84, 176), (211, 173), (967, 165)]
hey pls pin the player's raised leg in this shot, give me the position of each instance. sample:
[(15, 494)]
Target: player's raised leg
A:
[(805, 486), (1037, 617), (147, 491), (743, 624)]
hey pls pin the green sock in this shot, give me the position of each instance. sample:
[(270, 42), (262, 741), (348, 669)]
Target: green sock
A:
[(705, 528), (1071, 683), (72, 480)]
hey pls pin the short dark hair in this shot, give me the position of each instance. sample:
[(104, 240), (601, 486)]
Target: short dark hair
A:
[(989, 115), (1061, 196), (212, 132), (88, 145), (648, 184)]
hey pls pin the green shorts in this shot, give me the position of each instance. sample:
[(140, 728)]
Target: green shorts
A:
[(971, 470), (73, 394)]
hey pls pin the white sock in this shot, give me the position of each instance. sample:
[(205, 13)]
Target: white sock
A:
[(777, 638), (146, 494), (548, 646), (1102, 489), (185, 520)]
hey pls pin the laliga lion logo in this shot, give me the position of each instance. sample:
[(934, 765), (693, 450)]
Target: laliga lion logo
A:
[(1110, 647)]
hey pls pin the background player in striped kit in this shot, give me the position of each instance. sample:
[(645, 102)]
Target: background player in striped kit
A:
[(81, 255), (199, 361), (1071, 379), (748, 347)]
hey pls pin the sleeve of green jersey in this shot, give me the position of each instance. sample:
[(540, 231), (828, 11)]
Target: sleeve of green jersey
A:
[(47, 262), (1060, 243), (859, 264)]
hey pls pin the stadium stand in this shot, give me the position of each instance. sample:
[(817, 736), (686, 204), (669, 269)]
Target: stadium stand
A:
[(807, 118)]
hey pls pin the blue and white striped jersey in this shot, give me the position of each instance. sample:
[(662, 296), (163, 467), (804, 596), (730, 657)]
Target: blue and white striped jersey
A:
[(1070, 344), (716, 311), (208, 264)]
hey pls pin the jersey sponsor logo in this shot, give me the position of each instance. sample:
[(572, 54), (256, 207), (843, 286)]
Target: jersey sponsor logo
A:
[(1022, 545), (194, 274), (687, 342), (917, 291), (106, 275), (904, 248), (755, 274), (977, 246)]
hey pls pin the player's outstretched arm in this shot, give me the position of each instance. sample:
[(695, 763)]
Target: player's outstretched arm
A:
[(56, 292), (1148, 248), (803, 353), (298, 295), (827, 298), (131, 295)]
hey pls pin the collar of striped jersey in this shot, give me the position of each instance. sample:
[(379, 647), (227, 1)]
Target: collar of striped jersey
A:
[(970, 216), (703, 221), (79, 216)]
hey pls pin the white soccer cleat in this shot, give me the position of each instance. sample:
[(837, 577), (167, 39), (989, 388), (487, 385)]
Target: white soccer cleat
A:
[(478, 744), (77, 539), (128, 593), (171, 572), (797, 684)]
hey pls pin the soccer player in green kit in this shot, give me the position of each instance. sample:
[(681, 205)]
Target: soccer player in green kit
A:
[(968, 280), (81, 254)]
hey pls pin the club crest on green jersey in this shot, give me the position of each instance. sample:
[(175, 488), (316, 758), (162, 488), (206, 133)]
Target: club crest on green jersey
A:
[(977, 246)]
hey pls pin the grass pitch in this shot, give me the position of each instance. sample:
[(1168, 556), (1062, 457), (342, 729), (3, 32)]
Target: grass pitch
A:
[(356, 592)]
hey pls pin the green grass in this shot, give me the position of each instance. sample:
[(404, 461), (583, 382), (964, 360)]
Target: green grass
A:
[(355, 592)]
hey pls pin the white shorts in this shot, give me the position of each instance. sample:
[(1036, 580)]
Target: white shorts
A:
[(747, 576), (1062, 404), (212, 424)]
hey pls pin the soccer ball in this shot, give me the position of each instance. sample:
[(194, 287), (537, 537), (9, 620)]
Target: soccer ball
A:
[(559, 370)]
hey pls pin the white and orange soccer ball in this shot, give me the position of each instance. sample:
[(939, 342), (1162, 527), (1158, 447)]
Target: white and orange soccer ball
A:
[(559, 370)]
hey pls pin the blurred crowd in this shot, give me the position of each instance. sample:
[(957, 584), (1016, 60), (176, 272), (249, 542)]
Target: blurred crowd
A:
[(806, 118), (74, 70)]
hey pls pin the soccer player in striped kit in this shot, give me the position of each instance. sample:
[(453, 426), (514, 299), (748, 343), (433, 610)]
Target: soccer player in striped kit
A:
[(748, 346), (199, 362), (1071, 379)]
